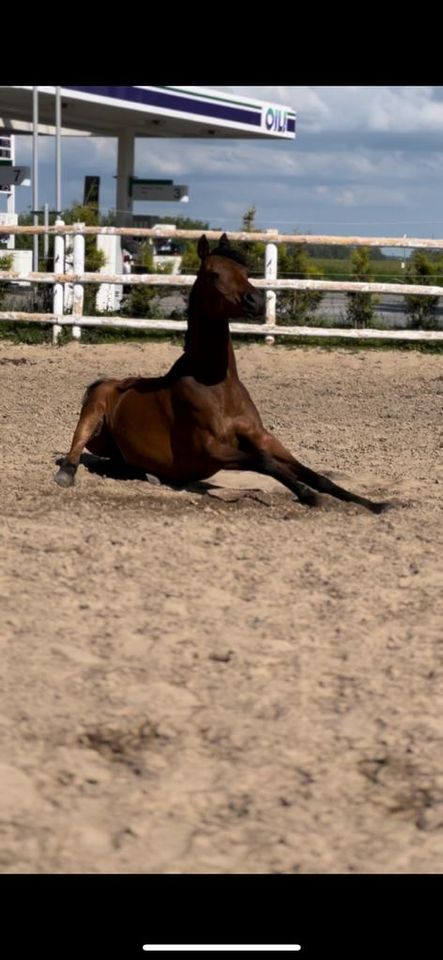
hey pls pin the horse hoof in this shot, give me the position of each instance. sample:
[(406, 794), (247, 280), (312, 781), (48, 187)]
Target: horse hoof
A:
[(64, 478), (310, 500), (152, 479), (381, 507)]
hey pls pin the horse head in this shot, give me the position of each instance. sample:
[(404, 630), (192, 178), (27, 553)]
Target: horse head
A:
[(222, 289)]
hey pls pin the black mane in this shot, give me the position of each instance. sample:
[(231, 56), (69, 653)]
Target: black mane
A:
[(230, 253)]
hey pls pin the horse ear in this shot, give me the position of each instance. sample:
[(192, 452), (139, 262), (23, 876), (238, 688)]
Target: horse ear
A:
[(224, 242), (203, 247)]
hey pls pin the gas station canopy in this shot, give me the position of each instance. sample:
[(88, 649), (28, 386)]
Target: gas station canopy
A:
[(147, 112), (128, 113)]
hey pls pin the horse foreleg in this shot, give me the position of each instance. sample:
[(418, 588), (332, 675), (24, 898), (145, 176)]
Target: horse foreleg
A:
[(90, 422), (272, 458)]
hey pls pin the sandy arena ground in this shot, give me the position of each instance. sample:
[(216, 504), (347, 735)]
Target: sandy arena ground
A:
[(222, 680)]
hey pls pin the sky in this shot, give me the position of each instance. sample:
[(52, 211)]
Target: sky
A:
[(367, 161)]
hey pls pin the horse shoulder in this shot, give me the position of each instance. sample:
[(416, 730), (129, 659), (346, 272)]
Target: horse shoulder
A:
[(127, 384)]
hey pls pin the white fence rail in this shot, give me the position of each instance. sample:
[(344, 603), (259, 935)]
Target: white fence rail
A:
[(270, 328)]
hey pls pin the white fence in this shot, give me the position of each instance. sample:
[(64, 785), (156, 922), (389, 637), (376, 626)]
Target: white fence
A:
[(270, 282)]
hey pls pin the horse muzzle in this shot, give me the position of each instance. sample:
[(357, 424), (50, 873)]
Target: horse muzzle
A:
[(254, 303)]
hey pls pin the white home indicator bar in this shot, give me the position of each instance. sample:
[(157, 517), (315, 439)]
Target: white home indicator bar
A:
[(221, 947)]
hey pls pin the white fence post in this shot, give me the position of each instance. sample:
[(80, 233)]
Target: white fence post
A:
[(69, 268), (271, 262), (59, 266), (79, 290)]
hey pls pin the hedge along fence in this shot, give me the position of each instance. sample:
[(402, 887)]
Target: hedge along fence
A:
[(270, 282)]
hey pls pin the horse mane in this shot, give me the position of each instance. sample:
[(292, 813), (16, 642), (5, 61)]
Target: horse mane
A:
[(230, 254)]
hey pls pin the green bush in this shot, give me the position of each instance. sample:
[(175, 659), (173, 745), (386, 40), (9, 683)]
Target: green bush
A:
[(360, 309), (297, 306), (421, 270), (6, 261)]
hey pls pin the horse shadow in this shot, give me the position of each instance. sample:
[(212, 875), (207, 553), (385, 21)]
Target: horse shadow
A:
[(119, 470)]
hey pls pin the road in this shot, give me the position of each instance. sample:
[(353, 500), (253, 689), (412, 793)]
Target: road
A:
[(390, 309)]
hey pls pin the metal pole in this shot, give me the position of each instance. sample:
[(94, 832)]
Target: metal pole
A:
[(58, 182), (46, 235), (10, 199), (125, 170), (35, 172)]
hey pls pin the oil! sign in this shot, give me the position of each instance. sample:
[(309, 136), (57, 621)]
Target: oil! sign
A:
[(275, 120)]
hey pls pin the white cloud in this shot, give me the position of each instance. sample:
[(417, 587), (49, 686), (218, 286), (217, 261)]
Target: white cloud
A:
[(375, 109)]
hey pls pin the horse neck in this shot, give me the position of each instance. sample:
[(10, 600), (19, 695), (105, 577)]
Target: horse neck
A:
[(208, 349)]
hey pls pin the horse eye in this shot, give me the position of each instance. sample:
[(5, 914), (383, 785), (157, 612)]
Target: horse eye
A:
[(213, 275)]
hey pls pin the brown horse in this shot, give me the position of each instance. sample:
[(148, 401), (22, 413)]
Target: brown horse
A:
[(198, 418)]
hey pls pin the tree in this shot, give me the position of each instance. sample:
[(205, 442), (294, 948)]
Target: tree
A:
[(190, 259), (360, 309), (138, 302), (183, 223), (328, 251), (254, 252), (87, 214), (421, 309), (24, 241), (297, 306), (144, 300), (6, 263), (292, 305), (94, 258), (249, 219)]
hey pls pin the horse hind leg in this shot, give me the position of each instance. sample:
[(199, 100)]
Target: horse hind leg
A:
[(272, 458), (90, 432), (325, 485), (303, 482)]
